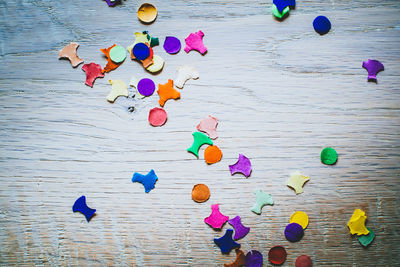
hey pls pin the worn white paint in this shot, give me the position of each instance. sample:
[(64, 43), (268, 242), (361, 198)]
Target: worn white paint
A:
[(280, 92)]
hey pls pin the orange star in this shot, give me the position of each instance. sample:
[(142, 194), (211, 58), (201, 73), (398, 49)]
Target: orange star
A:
[(110, 64), (167, 91)]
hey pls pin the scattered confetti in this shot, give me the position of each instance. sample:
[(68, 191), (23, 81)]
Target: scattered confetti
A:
[(147, 13), (280, 15), (254, 259), (240, 230), (112, 3), (262, 199), (195, 42), (80, 205), (172, 45), (141, 51), (208, 126), (303, 261), (243, 166), (329, 156), (69, 51), (158, 64), (373, 67), (110, 64), (157, 117), (117, 54), (143, 37), (148, 180), (93, 71), (294, 232), (297, 181), (226, 243), (239, 261), (167, 91), (119, 88), (200, 193), (277, 255), (300, 217), (185, 73), (322, 25), (199, 139), (147, 62), (365, 240), (356, 223), (216, 219), (146, 87), (212, 154), (282, 4)]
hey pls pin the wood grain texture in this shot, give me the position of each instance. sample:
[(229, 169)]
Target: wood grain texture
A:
[(280, 91)]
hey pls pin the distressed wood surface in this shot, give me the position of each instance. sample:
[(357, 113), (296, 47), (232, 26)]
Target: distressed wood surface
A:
[(280, 91)]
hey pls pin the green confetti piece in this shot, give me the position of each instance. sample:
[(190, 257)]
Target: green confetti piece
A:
[(199, 140), (278, 14), (365, 240), (117, 54), (329, 156)]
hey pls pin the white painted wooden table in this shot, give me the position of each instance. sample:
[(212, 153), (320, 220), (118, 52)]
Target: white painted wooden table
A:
[(280, 91)]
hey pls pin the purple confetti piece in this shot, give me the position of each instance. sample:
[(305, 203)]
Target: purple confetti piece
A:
[(146, 87), (254, 259), (172, 45), (240, 230), (243, 165), (373, 67), (113, 2), (294, 232)]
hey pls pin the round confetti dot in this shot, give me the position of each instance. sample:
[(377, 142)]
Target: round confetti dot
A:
[(146, 87), (172, 45), (212, 154), (294, 232), (141, 51), (254, 259), (117, 54), (200, 193), (157, 116), (329, 156), (299, 217), (277, 255), (322, 25), (147, 13), (158, 64), (303, 261)]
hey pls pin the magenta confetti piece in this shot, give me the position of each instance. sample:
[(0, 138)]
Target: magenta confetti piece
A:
[(243, 165), (254, 259), (195, 42), (373, 67), (216, 220), (172, 45), (240, 230)]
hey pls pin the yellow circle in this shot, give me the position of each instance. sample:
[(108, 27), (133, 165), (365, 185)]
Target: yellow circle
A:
[(147, 13), (300, 217)]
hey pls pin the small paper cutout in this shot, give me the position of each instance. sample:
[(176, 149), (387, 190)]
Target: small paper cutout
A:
[(294, 232), (282, 4), (322, 25), (172, 45), (157, 117), (240, 230), (300, 217), (117, 54), (119, 88), (185, 73), (329, 156), (212, 154), (147, 13), (112, 3), (110, 64), (148, 180), (216, 220), (303, 261), (167, 91), (356, 223), (209, 126), (226, 243), (69, 51), (277, 255), (158, 64), (93, 71), (262, 199), (243, 166), (80, 205), (373, 67), (239, 261), (199, 139), (280, 15), (200, 193), (366, 240), (195, 42), (254, 259), (297, 181)]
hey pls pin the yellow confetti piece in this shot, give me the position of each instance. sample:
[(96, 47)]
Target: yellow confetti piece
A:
[(299, 217), (297, 181), (356, 223), (119, 88)]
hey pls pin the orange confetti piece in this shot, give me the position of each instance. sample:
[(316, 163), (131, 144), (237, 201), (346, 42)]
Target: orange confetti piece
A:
[(110, 64), (212, 154), (200, 193), (167, 91), (239, 261)]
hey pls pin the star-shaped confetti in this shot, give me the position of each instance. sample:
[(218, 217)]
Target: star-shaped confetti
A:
[(195, 42), (262, 199), (147, 180), (297, 181), (240, 230), (226, 243), (199, 139), (356, 223), (119, 88), (243, 165), (167, 91), (69, 51), (216, 220), (208, 126), (93, 71)]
